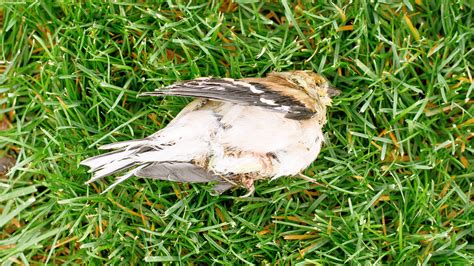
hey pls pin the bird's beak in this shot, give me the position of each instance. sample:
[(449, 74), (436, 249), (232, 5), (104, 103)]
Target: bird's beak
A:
[(333, 91)]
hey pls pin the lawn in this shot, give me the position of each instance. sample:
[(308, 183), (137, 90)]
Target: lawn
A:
[(395, 174)]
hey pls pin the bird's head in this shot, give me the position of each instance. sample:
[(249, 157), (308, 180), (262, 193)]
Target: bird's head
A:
[(314, 85)]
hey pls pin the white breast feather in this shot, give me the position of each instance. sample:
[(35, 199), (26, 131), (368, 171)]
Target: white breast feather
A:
[(253, 129)]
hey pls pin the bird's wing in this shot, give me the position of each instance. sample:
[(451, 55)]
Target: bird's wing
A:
[(177, 172), (272, 93), (184, 173)]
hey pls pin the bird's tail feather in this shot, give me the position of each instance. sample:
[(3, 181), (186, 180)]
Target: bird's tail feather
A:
[(111, 168), (124, 177), (113, 162), (100, 161), (129, 159), (128, 144)]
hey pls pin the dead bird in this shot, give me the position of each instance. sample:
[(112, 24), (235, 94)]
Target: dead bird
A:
[(235, 132)]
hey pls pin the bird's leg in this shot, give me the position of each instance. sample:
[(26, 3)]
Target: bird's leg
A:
[(267, 169), (248, 184)]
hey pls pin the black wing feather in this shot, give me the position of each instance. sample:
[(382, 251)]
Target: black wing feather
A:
[(239, 92)]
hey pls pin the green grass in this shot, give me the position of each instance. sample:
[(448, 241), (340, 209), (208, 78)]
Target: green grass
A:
[(396, 170)]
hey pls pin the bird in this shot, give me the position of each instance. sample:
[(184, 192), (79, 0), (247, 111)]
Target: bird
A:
[(234, 133)]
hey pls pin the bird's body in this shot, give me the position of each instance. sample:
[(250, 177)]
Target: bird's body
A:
[(236, 132)]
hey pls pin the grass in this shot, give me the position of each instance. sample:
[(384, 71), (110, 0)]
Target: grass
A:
[(396, 170)]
